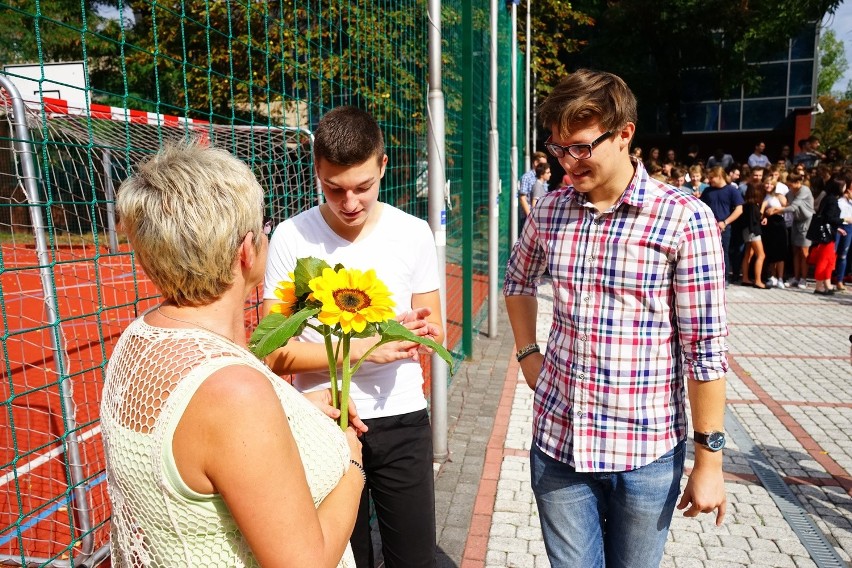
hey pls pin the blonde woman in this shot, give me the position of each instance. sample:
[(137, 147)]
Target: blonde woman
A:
[(211, 458)]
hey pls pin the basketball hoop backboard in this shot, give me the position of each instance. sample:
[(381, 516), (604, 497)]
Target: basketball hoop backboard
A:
[(66, 81)]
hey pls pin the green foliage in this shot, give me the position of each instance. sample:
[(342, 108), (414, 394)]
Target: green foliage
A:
[(555, 26), (832, 62), (834, 124), (275, 330)]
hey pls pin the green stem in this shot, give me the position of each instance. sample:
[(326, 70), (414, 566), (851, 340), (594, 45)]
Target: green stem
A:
[(347, 378), (367, 354), (332, 369)]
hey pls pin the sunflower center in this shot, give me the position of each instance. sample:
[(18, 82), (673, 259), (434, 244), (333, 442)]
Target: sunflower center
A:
[(351, 300)]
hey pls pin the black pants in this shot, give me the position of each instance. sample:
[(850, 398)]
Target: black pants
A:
[(397, 454)]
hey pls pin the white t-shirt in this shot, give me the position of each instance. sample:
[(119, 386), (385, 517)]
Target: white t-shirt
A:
[(401, 249)]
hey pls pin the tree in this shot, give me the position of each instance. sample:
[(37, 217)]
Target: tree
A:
[(834, 124), (832, 62), (660, 47), (555, 27)]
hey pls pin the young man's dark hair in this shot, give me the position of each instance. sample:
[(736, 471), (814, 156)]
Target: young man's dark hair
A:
[(348, 136)]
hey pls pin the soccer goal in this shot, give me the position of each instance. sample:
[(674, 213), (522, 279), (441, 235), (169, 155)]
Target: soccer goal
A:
[(68, 287)]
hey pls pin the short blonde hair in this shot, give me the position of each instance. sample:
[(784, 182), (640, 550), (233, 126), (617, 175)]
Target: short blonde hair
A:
[(185, 210), (586, 95)]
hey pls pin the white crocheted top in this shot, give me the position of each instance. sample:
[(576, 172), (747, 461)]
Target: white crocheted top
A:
[(157, 520)]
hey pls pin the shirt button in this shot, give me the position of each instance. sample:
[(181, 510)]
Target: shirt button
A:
[(587, 298), (579, 414), (582, 337), (582, 376)]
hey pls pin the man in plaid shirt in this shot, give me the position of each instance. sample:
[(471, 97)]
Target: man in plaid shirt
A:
[(639, 318)]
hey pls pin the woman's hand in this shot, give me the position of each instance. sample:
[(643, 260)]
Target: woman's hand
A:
[(322, 400), (354, 445)]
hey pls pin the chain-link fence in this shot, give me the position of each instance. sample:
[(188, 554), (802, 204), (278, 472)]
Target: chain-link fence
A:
[(251, 77)]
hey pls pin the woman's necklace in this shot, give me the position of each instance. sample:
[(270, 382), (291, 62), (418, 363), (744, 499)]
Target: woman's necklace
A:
[(159, 311)]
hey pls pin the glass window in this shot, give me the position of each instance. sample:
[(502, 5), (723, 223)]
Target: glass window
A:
[(765, 114), (730, 115), (803, 45), (773, 81), (698, 84), (700, 117), (800, 102), (801, 78)]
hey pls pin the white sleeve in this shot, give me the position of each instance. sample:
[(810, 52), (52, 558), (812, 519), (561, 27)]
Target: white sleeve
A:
[(425, 278), (280, 260)]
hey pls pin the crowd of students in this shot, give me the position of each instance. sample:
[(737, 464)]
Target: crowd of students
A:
[(764, 209), (767, 217)]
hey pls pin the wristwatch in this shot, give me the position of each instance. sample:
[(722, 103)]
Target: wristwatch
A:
[(713, 441)]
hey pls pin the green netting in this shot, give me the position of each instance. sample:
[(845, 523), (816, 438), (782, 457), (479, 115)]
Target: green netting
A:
[(252, 77)]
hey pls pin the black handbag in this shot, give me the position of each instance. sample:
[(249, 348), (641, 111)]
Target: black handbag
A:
[(820, 230)]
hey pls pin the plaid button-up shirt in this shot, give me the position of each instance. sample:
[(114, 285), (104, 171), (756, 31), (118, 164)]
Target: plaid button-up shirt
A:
[(639, 306)]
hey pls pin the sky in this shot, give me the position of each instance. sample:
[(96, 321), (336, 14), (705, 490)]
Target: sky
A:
[(841, 23)]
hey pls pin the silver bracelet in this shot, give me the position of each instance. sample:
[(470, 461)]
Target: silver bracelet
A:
[(360, 468)]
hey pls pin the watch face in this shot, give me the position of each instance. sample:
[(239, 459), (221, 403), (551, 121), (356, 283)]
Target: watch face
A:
[(716, 441)]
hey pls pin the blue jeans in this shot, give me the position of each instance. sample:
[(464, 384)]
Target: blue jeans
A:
[(615, 519), (842, 243)]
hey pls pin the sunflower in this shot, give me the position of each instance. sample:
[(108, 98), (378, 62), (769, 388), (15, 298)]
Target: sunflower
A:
[(351, 298), (286, 292)]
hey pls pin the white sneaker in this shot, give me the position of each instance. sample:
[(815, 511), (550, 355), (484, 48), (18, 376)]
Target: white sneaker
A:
[(780, 284), (772, 282), (792, 282), (802, 285)]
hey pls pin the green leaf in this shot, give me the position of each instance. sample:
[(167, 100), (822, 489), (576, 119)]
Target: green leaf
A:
[(392, 330), (307, 269), (275, 330)]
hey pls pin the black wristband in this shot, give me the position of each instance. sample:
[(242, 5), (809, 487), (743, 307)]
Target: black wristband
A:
[(527, 350)]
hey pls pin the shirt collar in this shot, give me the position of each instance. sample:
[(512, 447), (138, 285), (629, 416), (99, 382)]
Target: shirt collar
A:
[(635, 194)]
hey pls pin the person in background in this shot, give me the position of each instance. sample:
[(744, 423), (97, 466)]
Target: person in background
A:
[(653, 161), (696, 183), (566, 181), (752, 228), (809, 154), (738, 245), (801, 206), (691, 156), (610, 423), (823, 254), (726, 203), (525, 187), (785, 157), (758, 158), (353, 228), (211, 458), (720, 158), (843, 241), (678, 180), (774, 232), (542, 175)]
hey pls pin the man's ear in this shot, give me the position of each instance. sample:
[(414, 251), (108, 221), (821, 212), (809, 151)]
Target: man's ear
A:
[(384, 165), (625, 135)]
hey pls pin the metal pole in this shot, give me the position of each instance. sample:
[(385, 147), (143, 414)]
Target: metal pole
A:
[(493, 184), (513, 159), (436, 152), (109, 192), (77, 498), (527, 100)]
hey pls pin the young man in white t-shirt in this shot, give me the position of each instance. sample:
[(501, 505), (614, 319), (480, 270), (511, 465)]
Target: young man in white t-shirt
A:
[(353, 228)]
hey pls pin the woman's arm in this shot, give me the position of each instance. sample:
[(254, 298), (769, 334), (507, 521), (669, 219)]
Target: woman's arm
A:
[(234, 439)]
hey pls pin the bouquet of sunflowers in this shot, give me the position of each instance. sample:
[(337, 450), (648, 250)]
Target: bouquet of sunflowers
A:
[(340, 304)]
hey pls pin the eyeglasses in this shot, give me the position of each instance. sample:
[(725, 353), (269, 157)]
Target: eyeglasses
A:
[(267, 226), (576, 151)]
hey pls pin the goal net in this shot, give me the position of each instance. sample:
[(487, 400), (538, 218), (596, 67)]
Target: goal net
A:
[(68, 287)]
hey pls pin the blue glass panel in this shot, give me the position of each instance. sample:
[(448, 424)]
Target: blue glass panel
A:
[(731, 115), (766, 114), (803, 45), (700, 117), (801, 78), (773, 82)]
